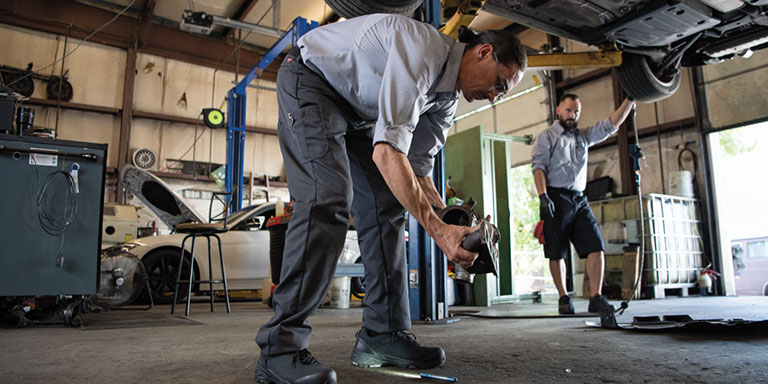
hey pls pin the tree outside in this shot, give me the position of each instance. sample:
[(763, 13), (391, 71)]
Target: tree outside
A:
[(531, 270)]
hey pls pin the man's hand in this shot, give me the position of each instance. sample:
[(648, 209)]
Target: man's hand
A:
[(449, 239), (399, 176), (546, 207)]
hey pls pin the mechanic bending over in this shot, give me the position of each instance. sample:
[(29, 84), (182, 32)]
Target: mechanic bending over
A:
[(364, 106), (560, 173)]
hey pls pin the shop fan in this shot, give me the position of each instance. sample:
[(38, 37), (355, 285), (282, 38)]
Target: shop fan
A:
[(123, 277), (144, 158)]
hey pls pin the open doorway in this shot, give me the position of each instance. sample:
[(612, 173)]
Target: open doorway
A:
[(530, 268), (739, 159)]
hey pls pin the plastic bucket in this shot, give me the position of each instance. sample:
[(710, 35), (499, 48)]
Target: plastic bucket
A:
[(338, 293), (681, 183)]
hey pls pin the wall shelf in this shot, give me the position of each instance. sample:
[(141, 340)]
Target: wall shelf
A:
[(136, 114)]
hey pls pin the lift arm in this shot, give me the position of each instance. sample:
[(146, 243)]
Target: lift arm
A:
[(466, 11)]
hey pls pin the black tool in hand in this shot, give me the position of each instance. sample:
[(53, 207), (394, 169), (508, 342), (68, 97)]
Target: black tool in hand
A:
[(483, 241)]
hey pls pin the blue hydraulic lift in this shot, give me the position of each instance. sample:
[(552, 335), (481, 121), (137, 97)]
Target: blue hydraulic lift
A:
[(427, 266)]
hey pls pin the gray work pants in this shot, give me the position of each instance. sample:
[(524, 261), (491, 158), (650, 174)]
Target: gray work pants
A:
[(330, 174)]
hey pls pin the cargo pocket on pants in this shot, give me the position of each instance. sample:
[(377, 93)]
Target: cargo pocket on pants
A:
[(309, 129)]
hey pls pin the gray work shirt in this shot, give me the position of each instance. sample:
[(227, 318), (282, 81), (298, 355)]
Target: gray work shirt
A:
[(396, 72), (562, 155)]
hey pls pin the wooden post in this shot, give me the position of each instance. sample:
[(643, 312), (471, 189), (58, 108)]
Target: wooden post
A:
[(628, 186), (125, 115)]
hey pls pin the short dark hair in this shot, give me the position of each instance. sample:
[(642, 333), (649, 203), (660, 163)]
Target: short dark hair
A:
[(568, 96), (508, 48)]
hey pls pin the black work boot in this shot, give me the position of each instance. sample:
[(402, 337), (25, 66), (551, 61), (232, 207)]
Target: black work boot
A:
[(599, 304), (565, 305), (297, 367), (398, 348)]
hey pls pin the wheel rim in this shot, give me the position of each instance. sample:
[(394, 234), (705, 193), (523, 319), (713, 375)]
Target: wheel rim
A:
[(162, 277), (357, 284), (662, 78)]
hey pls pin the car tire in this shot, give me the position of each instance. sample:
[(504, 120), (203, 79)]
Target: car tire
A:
[(640, 81), (162, 268), (357, 284), (353, 8)]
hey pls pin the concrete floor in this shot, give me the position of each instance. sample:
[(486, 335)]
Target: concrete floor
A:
[(222, 349)]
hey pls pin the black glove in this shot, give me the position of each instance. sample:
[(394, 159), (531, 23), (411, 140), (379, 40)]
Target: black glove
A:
[(546, 207)]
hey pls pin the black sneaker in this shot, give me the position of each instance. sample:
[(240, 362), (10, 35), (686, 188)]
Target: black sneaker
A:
[(565, 305), (599, 304), (399, 348), (296, 367)]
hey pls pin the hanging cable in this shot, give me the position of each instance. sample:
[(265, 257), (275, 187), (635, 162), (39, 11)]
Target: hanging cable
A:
[(194, 143), (52, 224), (76, 47)]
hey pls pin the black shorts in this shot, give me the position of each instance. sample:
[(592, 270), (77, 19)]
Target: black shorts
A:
[(573, 223)]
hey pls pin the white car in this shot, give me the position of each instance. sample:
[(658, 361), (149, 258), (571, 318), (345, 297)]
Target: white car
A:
[(245, 245)]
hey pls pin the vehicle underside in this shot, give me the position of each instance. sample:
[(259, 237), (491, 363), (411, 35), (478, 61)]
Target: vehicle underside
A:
[(657, 37)]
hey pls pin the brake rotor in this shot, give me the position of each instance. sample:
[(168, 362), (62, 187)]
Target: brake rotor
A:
[(483, 241)]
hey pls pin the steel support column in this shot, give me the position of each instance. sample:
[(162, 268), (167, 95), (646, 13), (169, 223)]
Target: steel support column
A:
[(426, 263), (704, 128)]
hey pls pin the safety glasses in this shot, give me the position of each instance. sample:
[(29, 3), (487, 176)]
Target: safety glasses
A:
[(499, 88)]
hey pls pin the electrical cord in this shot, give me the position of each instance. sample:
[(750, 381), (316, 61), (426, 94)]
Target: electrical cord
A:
[(52, 224), (693, 159), (55, 225), (197, 138)]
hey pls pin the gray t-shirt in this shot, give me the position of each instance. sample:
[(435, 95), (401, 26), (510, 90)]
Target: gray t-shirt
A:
[(395, 71), (563, 155)]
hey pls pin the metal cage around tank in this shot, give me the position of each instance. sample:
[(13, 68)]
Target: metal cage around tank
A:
[(674, 250)]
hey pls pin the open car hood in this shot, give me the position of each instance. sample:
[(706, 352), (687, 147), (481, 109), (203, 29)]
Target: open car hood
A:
[(167, 205)]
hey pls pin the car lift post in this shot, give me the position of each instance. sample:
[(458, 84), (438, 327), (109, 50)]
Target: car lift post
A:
[(427, 270), (236, 110)]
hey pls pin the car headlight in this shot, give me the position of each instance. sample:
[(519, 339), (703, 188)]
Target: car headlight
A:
[(120, 249)]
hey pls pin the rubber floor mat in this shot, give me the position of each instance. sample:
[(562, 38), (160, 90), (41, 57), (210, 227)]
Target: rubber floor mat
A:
[(132, 319)]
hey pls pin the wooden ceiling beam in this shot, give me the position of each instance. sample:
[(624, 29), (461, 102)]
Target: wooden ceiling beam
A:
[(55, 16), (146, 21)]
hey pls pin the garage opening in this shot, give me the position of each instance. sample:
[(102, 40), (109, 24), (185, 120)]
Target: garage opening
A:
[(531, 269), (739, 158)]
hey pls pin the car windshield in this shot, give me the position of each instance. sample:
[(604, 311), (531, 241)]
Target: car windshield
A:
[(237, 215), (257, 210)]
